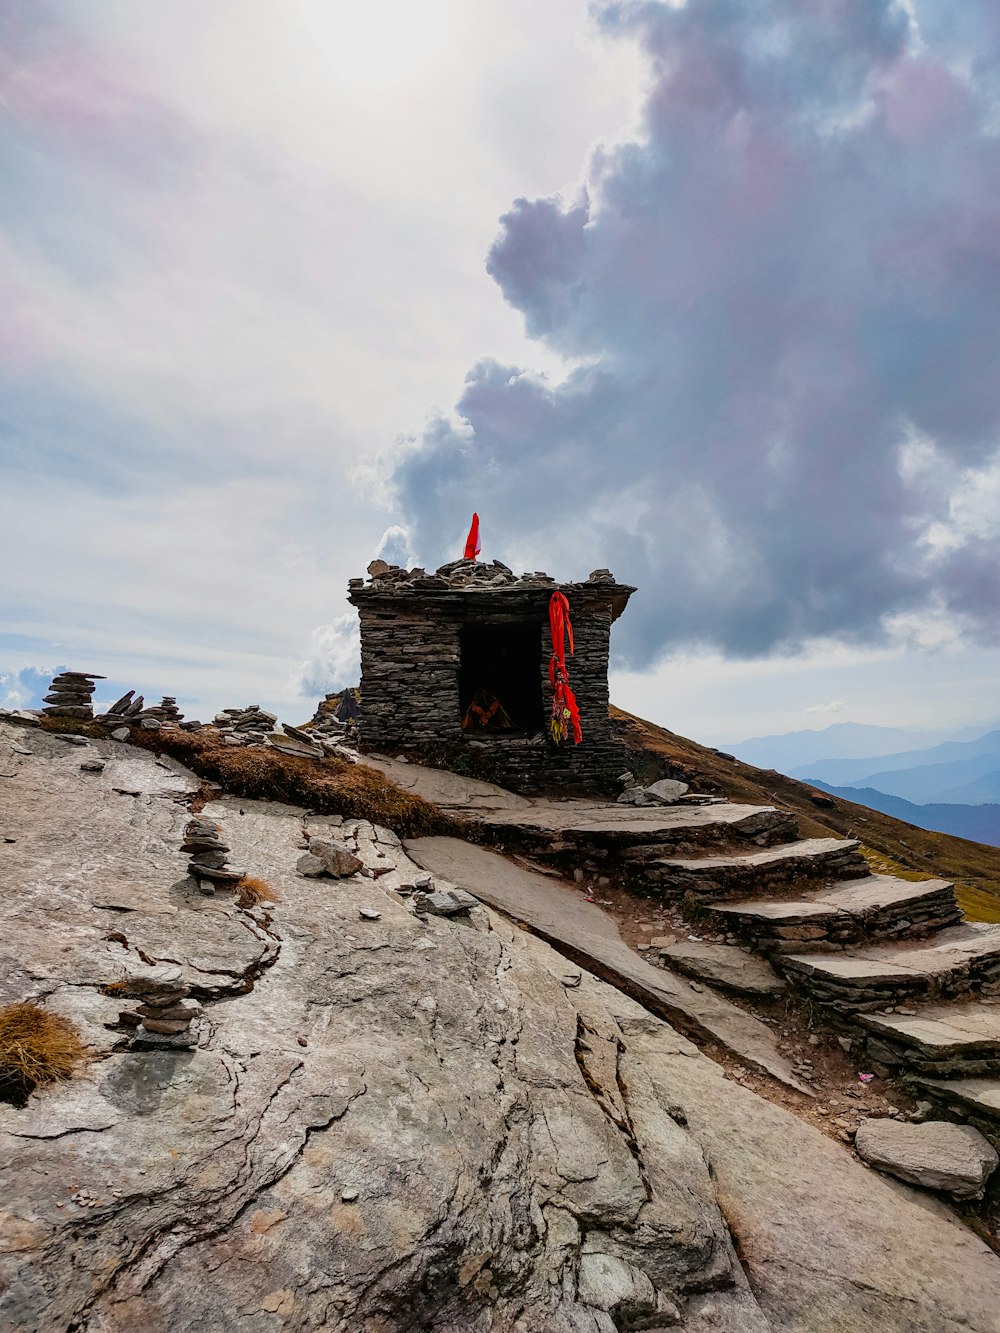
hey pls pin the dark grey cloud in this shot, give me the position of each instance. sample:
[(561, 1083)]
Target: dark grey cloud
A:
[(782, 300)]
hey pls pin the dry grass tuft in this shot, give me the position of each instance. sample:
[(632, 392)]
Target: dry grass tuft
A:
[(328, 786), (35, 1047), (250, 891)]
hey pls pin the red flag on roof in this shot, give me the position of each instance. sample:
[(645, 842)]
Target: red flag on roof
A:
[(472, 546)]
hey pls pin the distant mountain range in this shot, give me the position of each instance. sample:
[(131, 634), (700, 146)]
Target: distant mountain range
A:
[(957, 772), (788, 753), (980, 823), (951, 786)]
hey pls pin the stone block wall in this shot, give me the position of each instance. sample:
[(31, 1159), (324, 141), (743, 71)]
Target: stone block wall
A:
[(411, 658)]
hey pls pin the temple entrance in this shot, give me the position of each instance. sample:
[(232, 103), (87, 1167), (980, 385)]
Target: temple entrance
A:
[(500, 681)]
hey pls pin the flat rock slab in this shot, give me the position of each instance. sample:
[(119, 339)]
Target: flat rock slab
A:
[(937, 1155), (499, 808), (949, 952), (941, 1030), (724, 965), (978, 1096), (805, 849), (854, 898), (583, 932)]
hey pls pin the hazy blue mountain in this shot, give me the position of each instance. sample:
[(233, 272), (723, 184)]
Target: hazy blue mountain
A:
[(981, 791), (843, 740), (981, 754), (981, 823)]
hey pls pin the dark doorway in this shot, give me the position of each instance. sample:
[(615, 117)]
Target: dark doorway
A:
[(501, 665)]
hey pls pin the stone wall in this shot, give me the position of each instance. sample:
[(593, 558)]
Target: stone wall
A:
[(411, 628)]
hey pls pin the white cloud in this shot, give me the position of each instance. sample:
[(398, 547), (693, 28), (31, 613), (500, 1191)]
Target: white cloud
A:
[(334, 659), (834, 706)]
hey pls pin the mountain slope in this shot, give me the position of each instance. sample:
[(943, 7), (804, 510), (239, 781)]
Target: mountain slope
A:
[(978, 822), (974, 866)]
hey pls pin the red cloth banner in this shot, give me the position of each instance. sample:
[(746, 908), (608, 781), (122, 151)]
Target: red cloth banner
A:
[(565, 713), (472, 546)]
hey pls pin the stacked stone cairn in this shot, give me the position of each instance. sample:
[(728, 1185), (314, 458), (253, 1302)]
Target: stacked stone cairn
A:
[(202, 839), (244, 726), (165, 1013), (130, 710), (165, 712), (71, 695)]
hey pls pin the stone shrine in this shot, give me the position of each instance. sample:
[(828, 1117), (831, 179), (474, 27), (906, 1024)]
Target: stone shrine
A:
[(455, 671)]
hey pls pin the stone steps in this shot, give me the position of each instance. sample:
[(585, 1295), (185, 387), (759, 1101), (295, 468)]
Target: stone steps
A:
[(939, 1040), (976, 1101), (771, 870), (877, 907), (953, 962), (571, 834)]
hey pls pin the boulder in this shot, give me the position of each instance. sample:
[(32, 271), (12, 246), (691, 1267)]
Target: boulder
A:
[(336, 859), (938, 1155), (666, 791)]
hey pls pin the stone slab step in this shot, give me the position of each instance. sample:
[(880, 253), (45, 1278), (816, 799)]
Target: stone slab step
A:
[(872, 908), (767, 871), (723, 965), (974, 1100), (946, 1041), (868, 978)]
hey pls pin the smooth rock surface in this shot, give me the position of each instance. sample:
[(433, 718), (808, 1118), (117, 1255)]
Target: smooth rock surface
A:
[(588, 936), (936, 1154), (395, 1125)]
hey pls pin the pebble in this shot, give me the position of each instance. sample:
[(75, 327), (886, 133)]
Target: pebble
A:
[(369, 914), (348, 1196)]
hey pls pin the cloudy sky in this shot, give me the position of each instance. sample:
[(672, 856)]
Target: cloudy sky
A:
[(708, 293)]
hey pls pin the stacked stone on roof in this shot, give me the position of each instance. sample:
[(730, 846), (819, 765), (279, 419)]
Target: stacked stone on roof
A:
[(203, 840), (245, 726), (71, 694)]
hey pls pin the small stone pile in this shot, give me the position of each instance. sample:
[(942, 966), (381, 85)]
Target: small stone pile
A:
[(71, 695), (122, 711), (203, 841), (244, 726), (165, 1014), (292, 740), (165, 712), (665, 792), (337, 716)]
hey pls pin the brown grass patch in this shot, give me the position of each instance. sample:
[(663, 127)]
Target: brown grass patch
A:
[(327, 786), (74, 726), (35, 1047), (250, 891)]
